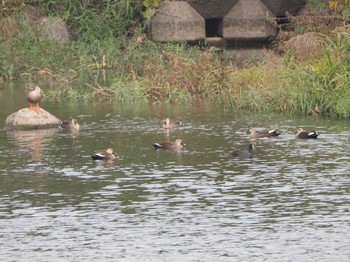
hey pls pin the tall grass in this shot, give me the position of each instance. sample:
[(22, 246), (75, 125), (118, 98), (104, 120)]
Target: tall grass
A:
[(110, 64), (320, 85), (91, 20)]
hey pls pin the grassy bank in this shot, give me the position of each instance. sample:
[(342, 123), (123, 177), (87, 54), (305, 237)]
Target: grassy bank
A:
[(128, 67)]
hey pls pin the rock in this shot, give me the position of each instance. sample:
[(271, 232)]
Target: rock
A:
[(54, 28), (29, 119)]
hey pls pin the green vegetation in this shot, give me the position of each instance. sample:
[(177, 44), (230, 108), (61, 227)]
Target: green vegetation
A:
[(110, 58), (150, 7)]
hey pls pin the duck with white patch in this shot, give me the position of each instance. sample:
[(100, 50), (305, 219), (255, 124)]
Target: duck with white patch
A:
[(302, 134), (253, 133), (169, 145), (104, 155)]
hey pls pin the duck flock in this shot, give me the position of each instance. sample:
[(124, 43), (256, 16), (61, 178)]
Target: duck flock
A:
[(108, 154), (178, 144)]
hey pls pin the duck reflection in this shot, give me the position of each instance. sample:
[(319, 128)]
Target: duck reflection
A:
[(168, 125), (167, 133), (34, 140)]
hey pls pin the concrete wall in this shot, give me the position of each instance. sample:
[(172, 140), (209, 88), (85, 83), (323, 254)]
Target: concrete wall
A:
[(194, 20)]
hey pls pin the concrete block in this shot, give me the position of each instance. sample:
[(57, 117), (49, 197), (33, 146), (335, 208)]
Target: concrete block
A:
[(177, 21), (212, 8), (279, 7), (249, 19)]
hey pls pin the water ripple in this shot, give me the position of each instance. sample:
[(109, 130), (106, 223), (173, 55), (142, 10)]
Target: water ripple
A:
[(200, 204)]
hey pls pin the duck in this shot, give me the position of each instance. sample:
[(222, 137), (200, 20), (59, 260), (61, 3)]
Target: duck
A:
[(253, 133), (71, 124), (171, 123), (300, 133), (34, 97), (104, 155), (169, 145), (245, 154)]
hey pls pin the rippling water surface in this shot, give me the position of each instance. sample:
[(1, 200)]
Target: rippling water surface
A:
[(290, 202)]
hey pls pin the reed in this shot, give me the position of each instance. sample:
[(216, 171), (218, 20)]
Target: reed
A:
[(129, 68), (320, 85), (96, 20)]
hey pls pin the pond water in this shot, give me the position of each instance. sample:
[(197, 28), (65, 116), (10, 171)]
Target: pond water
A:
[(290, 202)]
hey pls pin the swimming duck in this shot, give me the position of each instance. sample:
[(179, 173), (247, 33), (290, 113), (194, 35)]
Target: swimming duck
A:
[(300, 133), (104, 155), (71, 124), (168, 145), (253, 133), (246, 154), (171, 123), (34, 97)]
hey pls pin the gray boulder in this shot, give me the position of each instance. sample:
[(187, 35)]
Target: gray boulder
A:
[(53, 28), (25, 119)]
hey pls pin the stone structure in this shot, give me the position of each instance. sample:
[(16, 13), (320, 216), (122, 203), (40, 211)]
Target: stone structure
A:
[(30, 119), (177, 21), (52, 28), (198, 20)]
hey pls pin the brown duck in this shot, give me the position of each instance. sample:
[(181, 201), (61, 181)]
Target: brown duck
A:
[(171, 123), (169, 145), (253, 133), (71, 124), (34, 97), (104, 155), (300, 133)]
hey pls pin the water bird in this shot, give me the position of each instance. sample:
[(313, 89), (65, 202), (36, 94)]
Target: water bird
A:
[(169, 145), (300, 133), (246, 154), (171, 123), (104, 155), (253, 133), (34, 97), (71, 124)]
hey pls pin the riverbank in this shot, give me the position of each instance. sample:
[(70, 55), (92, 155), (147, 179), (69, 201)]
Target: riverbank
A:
[(309, 75)]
